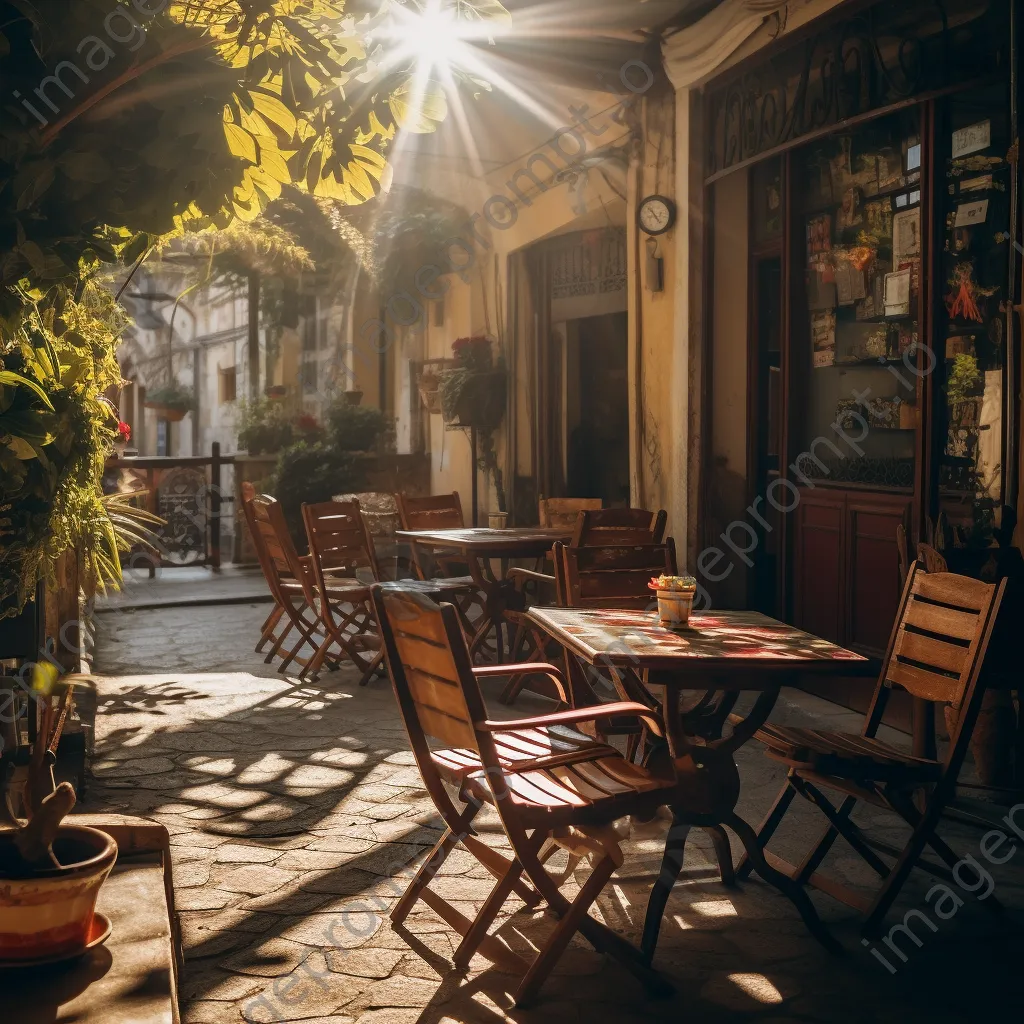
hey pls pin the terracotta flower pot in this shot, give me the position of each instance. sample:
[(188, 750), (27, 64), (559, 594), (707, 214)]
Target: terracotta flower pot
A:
[(50, 914)]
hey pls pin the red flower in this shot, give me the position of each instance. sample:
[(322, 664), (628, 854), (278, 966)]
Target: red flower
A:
[(307, 423), (124, 431)]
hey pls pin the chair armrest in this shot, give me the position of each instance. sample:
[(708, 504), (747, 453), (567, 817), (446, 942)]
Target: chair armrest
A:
[(523, 667), (590, 714), (517, 573)]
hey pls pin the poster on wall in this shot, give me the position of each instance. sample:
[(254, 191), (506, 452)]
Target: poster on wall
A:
[(972, 139), (823, 338), (906, 235)]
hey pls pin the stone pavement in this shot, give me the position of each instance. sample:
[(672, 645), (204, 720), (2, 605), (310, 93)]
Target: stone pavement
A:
[(186, 586), (295, 813)]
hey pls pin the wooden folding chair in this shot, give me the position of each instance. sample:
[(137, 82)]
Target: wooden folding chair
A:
[(432, 512), (592, 527), (600, 577), (562, 513), (290, 579), (549, 783), (441, 512), (936, 652), (618, 527), (339, 549)]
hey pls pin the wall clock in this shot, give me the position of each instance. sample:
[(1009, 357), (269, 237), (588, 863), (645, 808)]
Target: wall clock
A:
[(656, 214)]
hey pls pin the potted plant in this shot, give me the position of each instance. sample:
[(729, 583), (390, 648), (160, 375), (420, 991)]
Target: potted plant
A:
[(50, 872), (473, 394), (473, 389), (428, 382), (172, 402)]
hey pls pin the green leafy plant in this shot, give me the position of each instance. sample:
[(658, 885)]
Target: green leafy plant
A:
[(357, 428), (56, 429), (264, 426), (473, 394), (312, 473), (964, 379), (172, 396)]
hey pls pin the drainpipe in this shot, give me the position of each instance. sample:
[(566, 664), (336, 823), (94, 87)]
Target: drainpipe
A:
[(253, 330)]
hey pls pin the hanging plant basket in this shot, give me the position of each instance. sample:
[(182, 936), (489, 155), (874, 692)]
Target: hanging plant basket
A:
[(428, 382), (172, 403), (473, 398), (171, 413)]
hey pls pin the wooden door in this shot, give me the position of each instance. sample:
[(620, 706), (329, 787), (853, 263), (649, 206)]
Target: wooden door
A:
[(872, 567), (819, 564)]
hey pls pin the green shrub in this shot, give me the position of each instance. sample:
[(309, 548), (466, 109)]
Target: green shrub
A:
[(264, 426), (312, 473), (356, 428)]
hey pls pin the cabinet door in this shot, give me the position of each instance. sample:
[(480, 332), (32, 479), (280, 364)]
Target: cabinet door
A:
[(819, 584), (873, 567)]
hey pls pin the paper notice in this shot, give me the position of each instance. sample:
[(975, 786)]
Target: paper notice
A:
[(972, 139)]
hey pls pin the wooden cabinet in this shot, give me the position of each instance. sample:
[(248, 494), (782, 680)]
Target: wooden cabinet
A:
[(819, 569), (846, 585)]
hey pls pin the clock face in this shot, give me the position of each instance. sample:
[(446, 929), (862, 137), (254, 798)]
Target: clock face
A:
[(656, 214)]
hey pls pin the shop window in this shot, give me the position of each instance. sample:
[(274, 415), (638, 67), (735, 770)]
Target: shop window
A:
[(860, 309)]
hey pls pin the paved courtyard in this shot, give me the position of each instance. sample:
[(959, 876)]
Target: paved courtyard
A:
[(296, 813)]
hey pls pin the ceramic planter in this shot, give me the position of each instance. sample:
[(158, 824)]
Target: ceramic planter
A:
[(50, 915)]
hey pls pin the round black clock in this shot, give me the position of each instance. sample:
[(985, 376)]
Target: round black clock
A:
[(656, 214)]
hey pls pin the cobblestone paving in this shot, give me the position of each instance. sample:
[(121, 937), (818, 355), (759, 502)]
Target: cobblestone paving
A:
[(296, 813)]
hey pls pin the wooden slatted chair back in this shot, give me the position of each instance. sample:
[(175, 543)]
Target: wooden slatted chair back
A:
[(562, 513), (432, 512), (609, 577), (939, 642), (618, 527), (338, 540), (431, 671), (282, 560)]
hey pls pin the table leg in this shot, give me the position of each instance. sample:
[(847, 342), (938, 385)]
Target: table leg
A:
[(712, 818), (671, 865)]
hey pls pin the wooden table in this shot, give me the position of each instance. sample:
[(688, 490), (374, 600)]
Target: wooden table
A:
[(723, 654), (479, 547)]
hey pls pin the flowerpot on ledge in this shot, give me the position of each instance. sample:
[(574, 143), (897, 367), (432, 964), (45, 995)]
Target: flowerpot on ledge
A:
[(49, 914), (353, 397)]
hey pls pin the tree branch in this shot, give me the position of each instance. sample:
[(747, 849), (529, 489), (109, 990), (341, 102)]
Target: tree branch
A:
[(135, 71)]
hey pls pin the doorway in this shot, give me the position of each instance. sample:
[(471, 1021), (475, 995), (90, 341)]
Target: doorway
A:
[(595, 434)]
